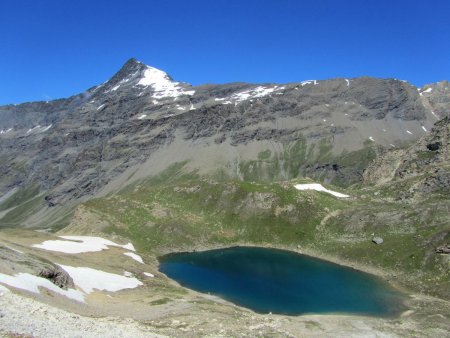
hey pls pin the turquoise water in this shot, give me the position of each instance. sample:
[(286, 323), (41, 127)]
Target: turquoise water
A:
[(284, 282)]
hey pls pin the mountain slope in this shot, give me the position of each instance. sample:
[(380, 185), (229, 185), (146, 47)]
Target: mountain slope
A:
[(140, 122)]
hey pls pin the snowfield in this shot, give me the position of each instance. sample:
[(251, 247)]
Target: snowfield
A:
[(80, 244), (162, 84), (31, 283), (88, 279), (319, 187)]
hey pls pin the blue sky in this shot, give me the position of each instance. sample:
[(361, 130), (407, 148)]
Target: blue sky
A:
[(55, 48)]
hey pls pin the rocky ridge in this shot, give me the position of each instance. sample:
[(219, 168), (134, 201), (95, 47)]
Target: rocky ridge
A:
[(141, 121)]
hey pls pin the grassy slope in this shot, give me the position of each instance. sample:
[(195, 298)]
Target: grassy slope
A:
[(179, 211)]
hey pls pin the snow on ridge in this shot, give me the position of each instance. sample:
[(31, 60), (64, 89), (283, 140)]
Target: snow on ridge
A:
[(143, 116), (348, 82), (33, 129), (162, 85), (319, 187), (46, 128), (428, 90), (80, 244), (253, 93), (38, 129), (307, 82), (5, 131)]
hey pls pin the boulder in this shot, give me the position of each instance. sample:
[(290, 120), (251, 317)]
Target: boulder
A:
[(57, 276), (377, 240)]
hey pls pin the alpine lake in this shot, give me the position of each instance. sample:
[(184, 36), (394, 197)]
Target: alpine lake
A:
[(282, 282)]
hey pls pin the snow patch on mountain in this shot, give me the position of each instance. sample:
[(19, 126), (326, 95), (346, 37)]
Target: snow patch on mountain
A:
[(6, 131), (253, 93), (307, 82), (38, 129), (319, 187), (161, 84)]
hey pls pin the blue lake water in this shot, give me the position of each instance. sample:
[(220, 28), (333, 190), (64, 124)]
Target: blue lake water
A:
[(284, 282)]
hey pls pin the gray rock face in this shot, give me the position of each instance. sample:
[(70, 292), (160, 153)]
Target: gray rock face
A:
[(72, 148), (436, 97)]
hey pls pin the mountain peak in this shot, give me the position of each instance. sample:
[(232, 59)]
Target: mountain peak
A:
[(130, 68)]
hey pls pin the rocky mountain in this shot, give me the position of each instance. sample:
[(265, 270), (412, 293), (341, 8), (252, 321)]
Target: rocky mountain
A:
[(142, 165), (135, 125)]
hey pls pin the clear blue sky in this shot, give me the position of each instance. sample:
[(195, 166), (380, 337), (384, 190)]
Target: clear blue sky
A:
[(55, 48)]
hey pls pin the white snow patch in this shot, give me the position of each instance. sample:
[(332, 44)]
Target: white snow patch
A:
[(88, 279), (319, 187), (217, 99), (260, 91), (180, 108), (134, 256), (428, 90), (227, 102), (148, 274), (80, 244), (31, 283), (143, 116), (392, 145), (33, 129), (434, 114), (5, 131), (307, 82), (115, 88), (46, 128), (161, 84), (409, 132), (424, 129), (191, 107), (371, 138), (348, 82), (101, 106), (127, 274), (155, 102)]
